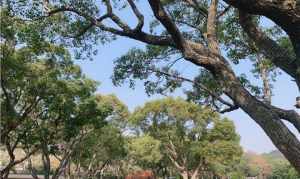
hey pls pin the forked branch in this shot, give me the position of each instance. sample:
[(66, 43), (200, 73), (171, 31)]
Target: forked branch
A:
[(138, 14), (167, 22)]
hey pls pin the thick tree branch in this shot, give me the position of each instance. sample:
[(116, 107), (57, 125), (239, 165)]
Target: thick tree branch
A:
[(168, 23), (289, 115), (114, 17), (202, 51), (137, 35), (13, 162), (138, 14), (285, 13), (68, 151), (173, 156), (278, 55), (211, 27), (45, 157), (63, 163), (196, 170)]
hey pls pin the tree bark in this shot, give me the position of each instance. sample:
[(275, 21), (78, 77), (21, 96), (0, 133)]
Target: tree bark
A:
[(5, 171), (32, 170), (278, 55), (263, 115), (195, 175), (265, 78), (185, 175), (4, 174), (47, 165), (267, 119), (285, 13)]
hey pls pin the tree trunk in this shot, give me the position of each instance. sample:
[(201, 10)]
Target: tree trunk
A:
[(32, 169), (195, 176), (47, 166), (268, 120), (4, 174), (68, 171), (280, 135), (185, 175), (266, 83), (77, 171), (261, 113)]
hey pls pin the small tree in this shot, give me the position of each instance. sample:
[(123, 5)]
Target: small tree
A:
[(97, 150), (195, 140), (283, 170), (258, 164), (145, 151)]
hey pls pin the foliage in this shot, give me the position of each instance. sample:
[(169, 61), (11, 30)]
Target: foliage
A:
[(284, 170), (145, 65), (280, 166), (268, 165), (99, 148), (47, 104), (145, 151), (40, 31), (118, 110), (189, 133)]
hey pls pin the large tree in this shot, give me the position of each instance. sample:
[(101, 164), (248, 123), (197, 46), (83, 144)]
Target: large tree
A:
[(188, 29), (194, 139), (47, 105), (33, 73)]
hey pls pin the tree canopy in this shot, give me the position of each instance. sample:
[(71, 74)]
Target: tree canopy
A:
[(48, 106), (193, 138), (200, 32)]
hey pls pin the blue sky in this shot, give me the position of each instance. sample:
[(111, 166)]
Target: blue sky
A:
[(252, 137)]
